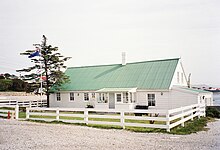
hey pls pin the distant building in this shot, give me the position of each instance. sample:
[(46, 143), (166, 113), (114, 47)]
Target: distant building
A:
[(158, 84)]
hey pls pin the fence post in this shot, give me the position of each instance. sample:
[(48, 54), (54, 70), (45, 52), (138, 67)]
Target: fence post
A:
[(182, 124), (16, 111), (29, 103), (86, 114), (204, 111), (199, 112), (57, 114), (168, 121), (123, 119), (27, 113), (192, 113)]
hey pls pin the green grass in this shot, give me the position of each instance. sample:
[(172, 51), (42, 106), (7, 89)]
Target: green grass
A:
[(7, 108), (45, 117), (71, 118), (192, 126), (104, 126), (22, 115), (144, 121), (105, 119), (146, 130)]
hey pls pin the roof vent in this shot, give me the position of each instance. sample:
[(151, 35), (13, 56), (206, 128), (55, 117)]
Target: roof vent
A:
[(123, 58)]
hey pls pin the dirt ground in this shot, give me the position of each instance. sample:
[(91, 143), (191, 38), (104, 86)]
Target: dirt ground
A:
[(22, 135)]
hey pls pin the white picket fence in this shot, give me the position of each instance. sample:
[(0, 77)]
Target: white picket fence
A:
[(12, 110), (24, 103), (168, 118)]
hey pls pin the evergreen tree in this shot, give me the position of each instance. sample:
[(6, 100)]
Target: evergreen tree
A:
[(49, 63)]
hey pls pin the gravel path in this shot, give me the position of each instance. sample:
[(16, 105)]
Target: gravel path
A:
[(20, 135)]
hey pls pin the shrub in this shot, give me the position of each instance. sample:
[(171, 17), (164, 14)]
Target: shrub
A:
[(212, 112), (89, 106)]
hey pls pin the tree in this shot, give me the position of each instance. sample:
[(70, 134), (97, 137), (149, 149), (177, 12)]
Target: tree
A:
[(19, 85), (5, 84), (50, 63)]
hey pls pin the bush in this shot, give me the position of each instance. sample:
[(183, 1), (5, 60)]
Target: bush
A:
[(212, 112), (141, 107), (89, 106)]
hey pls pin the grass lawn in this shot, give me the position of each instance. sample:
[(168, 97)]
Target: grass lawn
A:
[(190, 126), (193, 126)]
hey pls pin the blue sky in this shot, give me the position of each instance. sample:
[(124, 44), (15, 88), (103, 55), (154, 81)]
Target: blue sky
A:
[(96, 32)]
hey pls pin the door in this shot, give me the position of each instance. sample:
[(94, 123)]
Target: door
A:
[(111, 101)]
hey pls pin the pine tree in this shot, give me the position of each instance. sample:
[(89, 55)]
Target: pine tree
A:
[(50, 63)]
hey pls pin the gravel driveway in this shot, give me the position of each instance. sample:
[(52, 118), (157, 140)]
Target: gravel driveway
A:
[(20, 135)]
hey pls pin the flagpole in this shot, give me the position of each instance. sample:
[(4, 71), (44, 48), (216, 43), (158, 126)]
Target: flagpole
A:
[(41, 84)]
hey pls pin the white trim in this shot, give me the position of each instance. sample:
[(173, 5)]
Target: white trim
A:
[(70, 97), (87, 96), (113, 90), (148, 99), (116, 102), (58, 93)]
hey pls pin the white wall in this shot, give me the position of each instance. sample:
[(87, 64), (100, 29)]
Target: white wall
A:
[(78, 102), (206, 98), (162, 99), (182, 98), (172, 99), (180, 70)]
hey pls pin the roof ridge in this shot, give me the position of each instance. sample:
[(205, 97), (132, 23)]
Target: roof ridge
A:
[(125, 65)]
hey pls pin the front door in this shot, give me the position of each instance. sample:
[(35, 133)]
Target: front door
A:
[(111, 101)]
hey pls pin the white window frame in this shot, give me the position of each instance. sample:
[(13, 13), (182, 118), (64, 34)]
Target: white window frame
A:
[(58, 97), (103, 98), (86, 96), (151, 100), (72, 96), (116, 100), (126, 98), (93, 95)]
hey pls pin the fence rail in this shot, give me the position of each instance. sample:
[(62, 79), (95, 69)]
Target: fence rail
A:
[(12, 111), (25, 103), (163, 119)]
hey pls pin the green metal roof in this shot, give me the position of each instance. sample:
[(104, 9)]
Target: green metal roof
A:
[(194, 90), (156, 74)]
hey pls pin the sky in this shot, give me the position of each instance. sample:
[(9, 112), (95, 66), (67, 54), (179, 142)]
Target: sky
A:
[(96, 32)]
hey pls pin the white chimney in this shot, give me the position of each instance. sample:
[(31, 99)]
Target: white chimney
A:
[(123, 58)]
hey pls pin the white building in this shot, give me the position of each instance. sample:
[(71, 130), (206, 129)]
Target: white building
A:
[(158, 84)]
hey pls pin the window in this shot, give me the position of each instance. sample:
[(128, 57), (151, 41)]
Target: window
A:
[(125, 97), (58, 97), (182, 78), (178, 77), (103, 98), (71, 96), (151, 99), (86, 96), (118, 97), (93, 95)]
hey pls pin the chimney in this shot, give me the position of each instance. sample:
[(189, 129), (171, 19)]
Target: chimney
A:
[(123, 59)]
